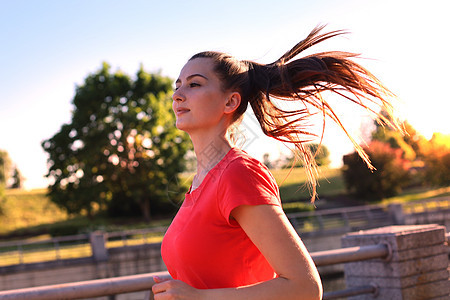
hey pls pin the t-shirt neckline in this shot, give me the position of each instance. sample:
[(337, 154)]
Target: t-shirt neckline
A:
[(209, 174)]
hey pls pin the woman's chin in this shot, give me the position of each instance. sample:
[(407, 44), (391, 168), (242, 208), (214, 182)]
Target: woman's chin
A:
[(181, 126)]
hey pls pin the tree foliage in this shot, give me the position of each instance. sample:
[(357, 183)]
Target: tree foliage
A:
[(17, 179), (436, 156), (10, 176), (407, 142), (430, 159), (390, 176), (401, 160), (391, 153), (121, 150), (320, 152), (5, 167), (5, 163)]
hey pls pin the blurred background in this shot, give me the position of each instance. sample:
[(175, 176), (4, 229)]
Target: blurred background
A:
[(88, 142), (49, 47)]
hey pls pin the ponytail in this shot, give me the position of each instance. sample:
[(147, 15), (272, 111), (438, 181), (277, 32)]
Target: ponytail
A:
[(303, 80)]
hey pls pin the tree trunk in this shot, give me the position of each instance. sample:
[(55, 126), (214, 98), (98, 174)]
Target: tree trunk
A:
[(145, 209)]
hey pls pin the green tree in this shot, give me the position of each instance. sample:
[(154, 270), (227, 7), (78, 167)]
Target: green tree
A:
[(5, 167), (414, 139), (16, 179), (121, 150), (266, 160), (322, 154), (396, 139), (5, 164)]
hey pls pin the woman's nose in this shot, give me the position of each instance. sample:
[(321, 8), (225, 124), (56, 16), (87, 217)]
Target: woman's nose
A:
[(178, 96)]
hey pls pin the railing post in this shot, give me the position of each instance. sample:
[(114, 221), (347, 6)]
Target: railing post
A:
[(417, 267), (98, 246), (396, 213), (20, 250), (57, 253)]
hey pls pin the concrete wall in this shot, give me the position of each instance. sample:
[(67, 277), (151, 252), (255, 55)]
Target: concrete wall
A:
[(416, 269)]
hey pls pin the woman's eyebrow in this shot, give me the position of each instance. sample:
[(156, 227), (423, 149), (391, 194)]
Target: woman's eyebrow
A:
[(191, 76)]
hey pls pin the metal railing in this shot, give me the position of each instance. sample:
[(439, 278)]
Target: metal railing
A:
[(355, 291), (351, 254), (21, 252), (334, 221), (74, 246), (86, 289), (340, 220), (144, 282)]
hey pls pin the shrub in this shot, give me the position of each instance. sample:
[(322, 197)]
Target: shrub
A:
[(388, 178)]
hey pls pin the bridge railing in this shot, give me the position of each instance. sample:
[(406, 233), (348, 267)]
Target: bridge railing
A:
[(329, 221), (341, 220), (26, 251), (74, 246), (144, 282), (394, 262)]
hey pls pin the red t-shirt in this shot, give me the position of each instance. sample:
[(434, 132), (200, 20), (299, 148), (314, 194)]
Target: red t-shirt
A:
[(202, 246)]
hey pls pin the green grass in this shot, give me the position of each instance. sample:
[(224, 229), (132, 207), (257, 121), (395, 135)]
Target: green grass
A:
[(44, 254), (419, 194), (293, 188), (31, 213), (23, 209)]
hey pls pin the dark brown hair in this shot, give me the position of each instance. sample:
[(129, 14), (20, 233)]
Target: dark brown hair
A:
[(302, 79)]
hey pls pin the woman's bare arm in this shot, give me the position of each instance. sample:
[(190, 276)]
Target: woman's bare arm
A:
[(269, 229)]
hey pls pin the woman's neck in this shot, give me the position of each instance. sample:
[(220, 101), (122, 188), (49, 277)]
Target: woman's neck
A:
[(210, 146), (209, 151)]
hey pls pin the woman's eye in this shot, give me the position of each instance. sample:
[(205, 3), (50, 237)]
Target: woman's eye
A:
[(194, 84)]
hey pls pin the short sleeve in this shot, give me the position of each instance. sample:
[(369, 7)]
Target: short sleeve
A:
[(246, 182)]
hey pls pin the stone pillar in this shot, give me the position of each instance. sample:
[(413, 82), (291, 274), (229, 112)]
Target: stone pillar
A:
[(417, 267), (98, 246)]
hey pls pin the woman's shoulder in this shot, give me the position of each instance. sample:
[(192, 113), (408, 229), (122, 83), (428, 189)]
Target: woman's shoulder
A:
[(240, 163), (240, 159), (247, 177)]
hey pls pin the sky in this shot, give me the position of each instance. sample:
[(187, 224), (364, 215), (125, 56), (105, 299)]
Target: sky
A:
[(47, 48)]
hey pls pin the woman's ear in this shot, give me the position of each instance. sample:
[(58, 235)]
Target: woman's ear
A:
[(233, 102)]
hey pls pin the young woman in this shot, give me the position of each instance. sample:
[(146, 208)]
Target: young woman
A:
[(231, 238)]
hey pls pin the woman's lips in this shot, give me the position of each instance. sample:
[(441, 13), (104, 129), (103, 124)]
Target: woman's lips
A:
[(182, 110)]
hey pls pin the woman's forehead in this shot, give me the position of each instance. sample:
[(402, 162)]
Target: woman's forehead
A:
[(203, 66)]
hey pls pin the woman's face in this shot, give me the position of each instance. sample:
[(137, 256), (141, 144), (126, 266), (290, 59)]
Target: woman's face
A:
[(199, 101)]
